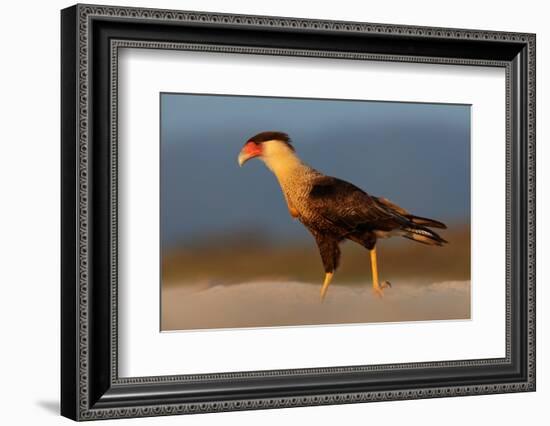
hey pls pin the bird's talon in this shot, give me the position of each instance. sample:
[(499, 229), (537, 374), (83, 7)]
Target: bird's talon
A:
[(378, 291), (386, 284)]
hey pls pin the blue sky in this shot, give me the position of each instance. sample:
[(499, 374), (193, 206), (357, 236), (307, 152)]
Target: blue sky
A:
[(417, 155)]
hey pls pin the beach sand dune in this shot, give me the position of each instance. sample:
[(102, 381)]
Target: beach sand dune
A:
[(274, 304)]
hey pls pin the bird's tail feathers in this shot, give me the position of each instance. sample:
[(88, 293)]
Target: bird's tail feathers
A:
[(424, 236)]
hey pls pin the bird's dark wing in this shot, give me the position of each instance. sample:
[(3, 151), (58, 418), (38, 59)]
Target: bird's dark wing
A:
[(352, 209)]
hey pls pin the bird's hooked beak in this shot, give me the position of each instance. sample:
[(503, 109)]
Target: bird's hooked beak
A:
[(250, 150)]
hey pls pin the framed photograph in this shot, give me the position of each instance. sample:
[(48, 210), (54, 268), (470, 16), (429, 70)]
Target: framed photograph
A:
[(263, 212)]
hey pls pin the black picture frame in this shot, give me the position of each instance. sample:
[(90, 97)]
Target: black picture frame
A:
[(90, 386)]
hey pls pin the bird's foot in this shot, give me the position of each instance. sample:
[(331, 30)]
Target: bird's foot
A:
[(379, 289)]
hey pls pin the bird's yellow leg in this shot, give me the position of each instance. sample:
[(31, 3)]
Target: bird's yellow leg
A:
[(376, 287), (326, 283)]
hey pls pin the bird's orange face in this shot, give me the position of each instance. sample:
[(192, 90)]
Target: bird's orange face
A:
[(250, 150)]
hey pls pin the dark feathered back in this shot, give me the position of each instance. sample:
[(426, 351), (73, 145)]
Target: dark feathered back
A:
[(272, 135)]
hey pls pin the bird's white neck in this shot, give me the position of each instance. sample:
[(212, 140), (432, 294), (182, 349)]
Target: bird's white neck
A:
[(282, 161)]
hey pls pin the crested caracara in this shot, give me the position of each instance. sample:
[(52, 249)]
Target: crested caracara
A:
[(334, 210)]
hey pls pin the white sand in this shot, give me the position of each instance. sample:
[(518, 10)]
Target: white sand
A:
[(261, 304)]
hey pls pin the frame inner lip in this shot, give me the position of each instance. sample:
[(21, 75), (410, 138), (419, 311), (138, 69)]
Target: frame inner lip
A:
[(336, 370)]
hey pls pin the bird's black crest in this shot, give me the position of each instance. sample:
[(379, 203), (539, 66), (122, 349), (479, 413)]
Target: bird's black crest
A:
[(269, 136)]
